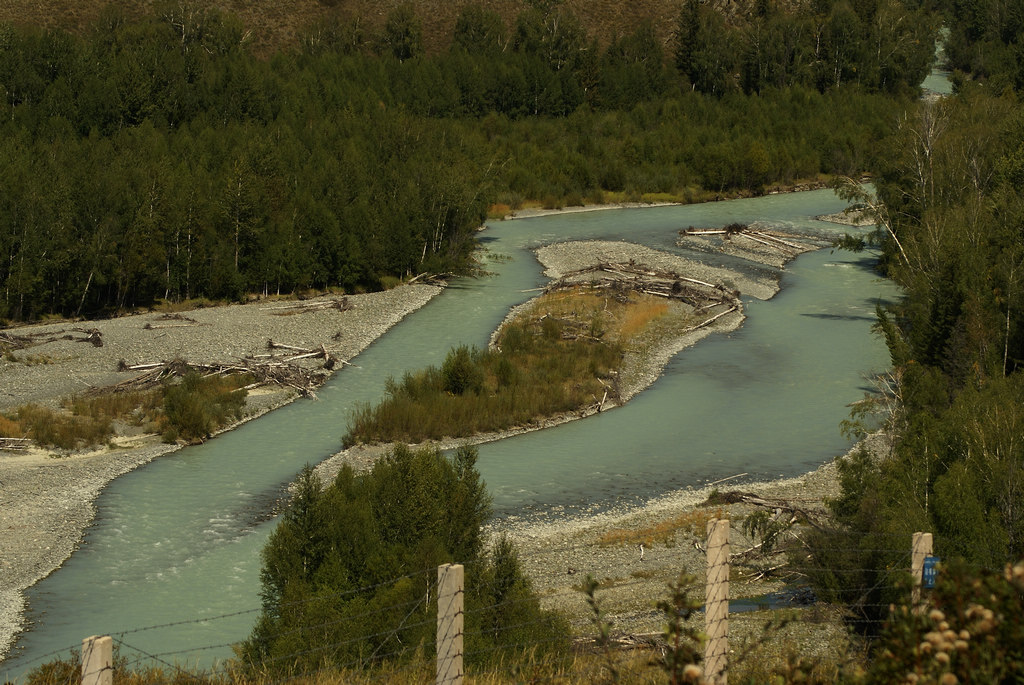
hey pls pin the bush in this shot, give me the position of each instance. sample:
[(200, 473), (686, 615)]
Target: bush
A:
[(348, 575), (972, 632), (461, 372), (198, 406)]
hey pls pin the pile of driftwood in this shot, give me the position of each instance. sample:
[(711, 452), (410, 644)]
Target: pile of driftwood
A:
[(179, 321), (340, 303), (782, 242), (11, 341), (632, 276), (15, 444), (277, 366)]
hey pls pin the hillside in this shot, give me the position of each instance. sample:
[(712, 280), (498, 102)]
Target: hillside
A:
[(275, 25)]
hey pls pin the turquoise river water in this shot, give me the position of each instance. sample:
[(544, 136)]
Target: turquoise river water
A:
[(176, 543)]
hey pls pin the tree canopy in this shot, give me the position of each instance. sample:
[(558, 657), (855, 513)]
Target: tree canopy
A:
[(157, 158), (349, 574)]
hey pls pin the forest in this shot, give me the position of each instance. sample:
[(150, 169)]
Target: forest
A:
[(158, 157), (951, 228), (162, 158)]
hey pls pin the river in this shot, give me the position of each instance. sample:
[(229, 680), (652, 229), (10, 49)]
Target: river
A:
[(171, 564)]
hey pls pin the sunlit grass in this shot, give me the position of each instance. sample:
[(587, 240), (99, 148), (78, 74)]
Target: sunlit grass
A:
[(575, 668), (693, 523), (638, 318), (11, 428)]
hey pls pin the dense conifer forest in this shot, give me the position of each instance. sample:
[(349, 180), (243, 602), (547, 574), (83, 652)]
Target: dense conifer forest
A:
[(159, 155)]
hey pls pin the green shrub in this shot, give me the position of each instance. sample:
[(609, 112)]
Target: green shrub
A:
[(348, 574), (461, 371), (198, 406)]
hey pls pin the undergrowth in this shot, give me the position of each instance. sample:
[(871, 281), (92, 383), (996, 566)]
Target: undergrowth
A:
[(562, 354), (694, 523), (189, 410)]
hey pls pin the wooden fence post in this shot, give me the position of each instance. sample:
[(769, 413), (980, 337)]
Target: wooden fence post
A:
[(716, 603), (921, 547), (449, 624), (97, 660)]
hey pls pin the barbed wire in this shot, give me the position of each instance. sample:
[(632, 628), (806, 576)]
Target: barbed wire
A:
[(62, 650)]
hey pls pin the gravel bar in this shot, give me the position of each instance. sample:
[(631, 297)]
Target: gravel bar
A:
[(47, 498)]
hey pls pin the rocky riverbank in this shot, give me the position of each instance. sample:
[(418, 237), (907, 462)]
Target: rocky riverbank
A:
[(47, 497), (558, 551)]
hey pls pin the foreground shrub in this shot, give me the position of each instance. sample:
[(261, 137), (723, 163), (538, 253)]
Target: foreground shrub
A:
[(970, 631), (349, 575)]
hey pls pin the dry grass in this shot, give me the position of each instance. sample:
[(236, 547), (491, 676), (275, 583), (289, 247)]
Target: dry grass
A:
[(171, 307), (600, 313), (84, 422), (59, 429), (580, 668), (498, 210), (131, 407), (638, 317), (693, 523), (10, 428)]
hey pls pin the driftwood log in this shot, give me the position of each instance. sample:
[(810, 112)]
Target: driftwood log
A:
[(12, 341), (783, 242), (340, 303), (15, 444), (277, 366), (627, 276)]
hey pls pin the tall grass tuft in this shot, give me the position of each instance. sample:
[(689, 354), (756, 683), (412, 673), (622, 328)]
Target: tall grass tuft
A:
[(9, 428), (64, 431), (191, 410)]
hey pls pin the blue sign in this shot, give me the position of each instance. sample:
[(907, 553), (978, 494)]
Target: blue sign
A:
[(929, 571)]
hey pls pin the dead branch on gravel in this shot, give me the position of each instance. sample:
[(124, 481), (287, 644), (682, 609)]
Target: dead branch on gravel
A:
[(801, 513), (11, 341), (622, 642), (301, 379), (15, 444), (776, 240), (340, 303)]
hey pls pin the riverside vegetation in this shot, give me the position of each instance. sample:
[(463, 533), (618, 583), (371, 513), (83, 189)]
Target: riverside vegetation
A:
[(190, 410), (561, 354)]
